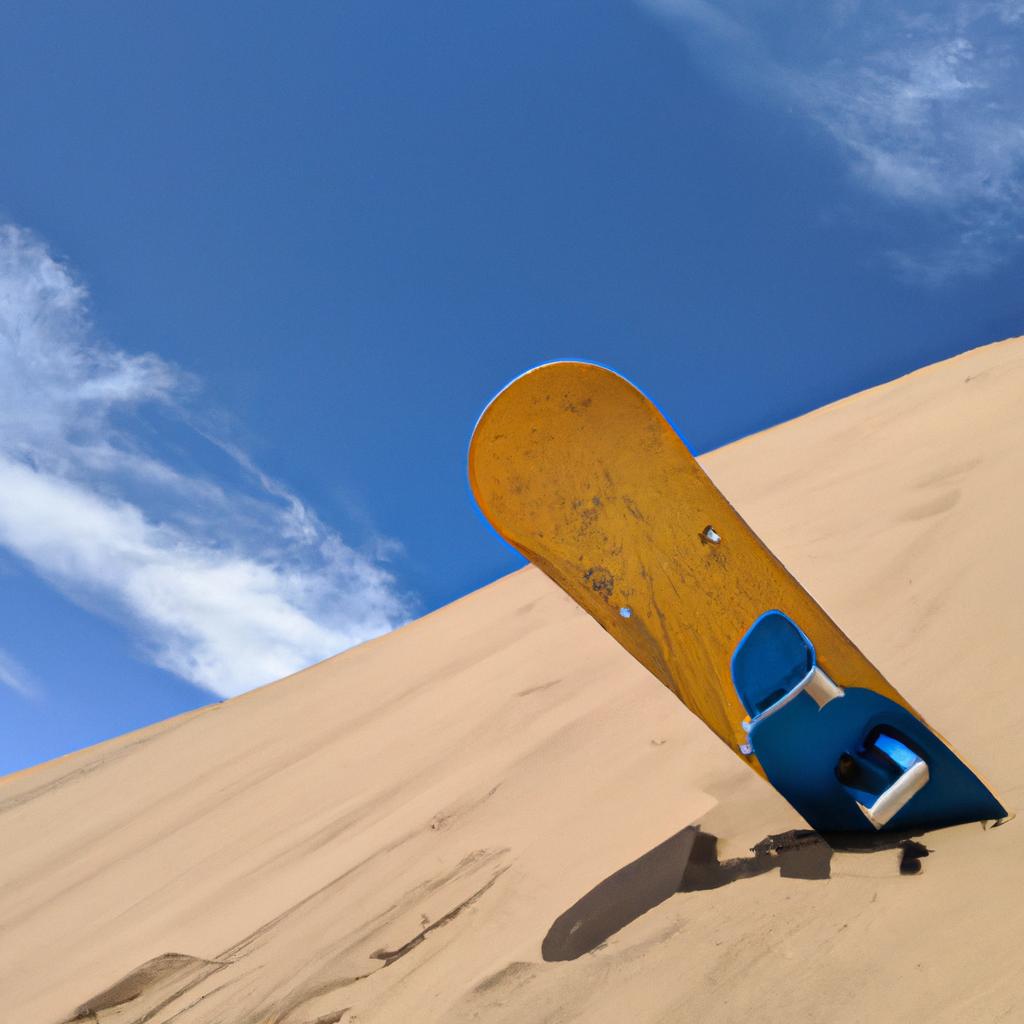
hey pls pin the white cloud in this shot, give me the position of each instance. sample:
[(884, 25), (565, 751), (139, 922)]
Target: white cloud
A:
[(227, 583), (926, 100), (16, 677)]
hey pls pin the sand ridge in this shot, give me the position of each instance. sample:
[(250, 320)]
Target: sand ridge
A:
[(494, 814)]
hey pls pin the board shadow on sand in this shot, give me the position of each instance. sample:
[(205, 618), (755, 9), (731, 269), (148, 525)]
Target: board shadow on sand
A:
[(689, 862)]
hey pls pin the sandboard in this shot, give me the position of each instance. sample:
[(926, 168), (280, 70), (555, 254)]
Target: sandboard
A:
[(581, 473)]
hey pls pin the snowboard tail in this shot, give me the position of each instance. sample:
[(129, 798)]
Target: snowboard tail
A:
[(845, 757), (582, 474)]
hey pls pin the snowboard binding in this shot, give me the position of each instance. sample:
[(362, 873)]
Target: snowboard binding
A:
[(875, 760)]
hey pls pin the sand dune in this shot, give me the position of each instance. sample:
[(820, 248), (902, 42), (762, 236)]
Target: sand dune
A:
[(495, 815)]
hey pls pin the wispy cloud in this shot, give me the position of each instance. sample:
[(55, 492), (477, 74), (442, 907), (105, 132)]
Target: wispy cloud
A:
[(16, 677), (926, 100), (228, 580)]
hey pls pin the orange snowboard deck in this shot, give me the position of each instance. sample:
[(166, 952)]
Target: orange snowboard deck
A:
[(581, 473)]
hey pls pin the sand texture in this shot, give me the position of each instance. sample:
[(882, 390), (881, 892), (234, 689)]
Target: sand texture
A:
[(494, 814)]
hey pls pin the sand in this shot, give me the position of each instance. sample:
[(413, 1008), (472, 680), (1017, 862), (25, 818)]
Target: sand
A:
[(494, 814)]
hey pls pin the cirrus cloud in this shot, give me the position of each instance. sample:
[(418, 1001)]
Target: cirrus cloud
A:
[(229, 581), (16, 677), (924, 99)]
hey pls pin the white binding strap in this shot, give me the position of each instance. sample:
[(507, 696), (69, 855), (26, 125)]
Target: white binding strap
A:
[(816, 683), (912, 781)]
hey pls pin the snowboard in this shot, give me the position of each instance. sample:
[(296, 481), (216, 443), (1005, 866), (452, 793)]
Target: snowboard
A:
[(580, 472)]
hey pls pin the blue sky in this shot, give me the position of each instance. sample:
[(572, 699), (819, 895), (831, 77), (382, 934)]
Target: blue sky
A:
[(262, 265)]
